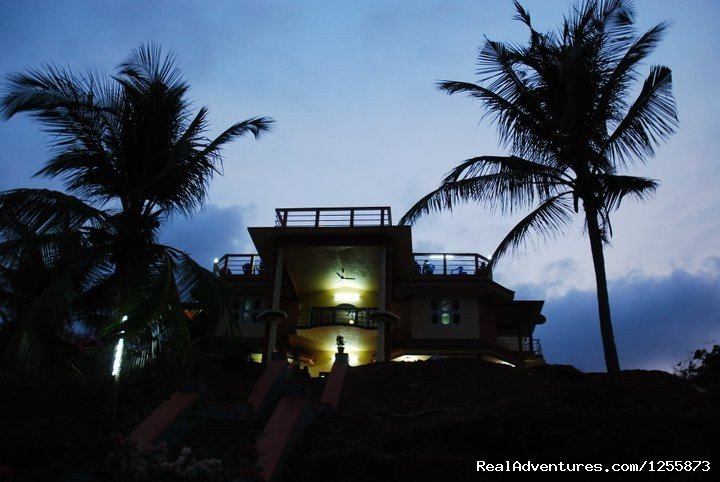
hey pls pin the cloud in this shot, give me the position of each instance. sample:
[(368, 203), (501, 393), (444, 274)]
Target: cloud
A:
[(211, 233), (657, 321)]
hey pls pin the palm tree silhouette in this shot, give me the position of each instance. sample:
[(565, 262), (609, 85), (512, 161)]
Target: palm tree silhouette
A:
[(131, 154), (560, 104), (42, 266)]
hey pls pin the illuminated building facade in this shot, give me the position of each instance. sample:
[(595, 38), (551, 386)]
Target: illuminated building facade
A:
[(320, 273)]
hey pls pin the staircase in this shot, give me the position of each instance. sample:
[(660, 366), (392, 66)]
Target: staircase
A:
[(231, 441), (253, 439)]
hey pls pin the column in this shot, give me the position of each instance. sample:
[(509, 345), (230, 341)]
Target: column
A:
[(277, 280), (385, 320), (382, 281), (272, 319)]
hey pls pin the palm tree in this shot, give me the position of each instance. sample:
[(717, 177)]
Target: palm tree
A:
[(42, 268), (561, 106), (131, 154)]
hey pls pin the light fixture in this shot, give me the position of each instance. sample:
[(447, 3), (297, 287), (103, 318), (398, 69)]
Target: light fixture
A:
[(441, 256), (216, 261), (117, 360), (347, 296)]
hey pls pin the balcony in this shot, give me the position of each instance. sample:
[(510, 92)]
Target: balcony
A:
[(335, 315), (451, 264), (521, 344), (333, 217), (239, 265)]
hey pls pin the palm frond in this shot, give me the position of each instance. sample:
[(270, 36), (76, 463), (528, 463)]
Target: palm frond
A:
[(156, 325), (611, 104), (505, 183), (45, 211), (649, 120), (615, 188), (516, 127), (546, 221), (198, 285)]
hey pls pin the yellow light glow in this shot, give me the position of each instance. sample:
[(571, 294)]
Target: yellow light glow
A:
[(411, 358), (256, 357), (353, 359), (347, 296)]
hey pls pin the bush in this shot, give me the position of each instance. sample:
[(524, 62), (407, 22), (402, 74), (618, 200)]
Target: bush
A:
[(703, 370)]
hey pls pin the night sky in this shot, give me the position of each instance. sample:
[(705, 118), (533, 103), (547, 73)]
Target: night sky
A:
[(360, 122)]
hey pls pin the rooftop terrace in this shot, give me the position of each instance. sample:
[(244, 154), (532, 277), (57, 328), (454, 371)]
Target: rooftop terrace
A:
[(333, 217)]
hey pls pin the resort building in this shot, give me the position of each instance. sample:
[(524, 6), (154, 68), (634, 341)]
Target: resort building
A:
[(324, 277)]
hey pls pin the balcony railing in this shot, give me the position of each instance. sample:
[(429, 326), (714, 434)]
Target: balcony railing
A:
[(239, 265), (461, 264), (335, 315), (333, 217), (533, 345), (525, 344)]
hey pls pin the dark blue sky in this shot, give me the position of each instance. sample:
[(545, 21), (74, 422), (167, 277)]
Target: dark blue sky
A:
[(360, 122)]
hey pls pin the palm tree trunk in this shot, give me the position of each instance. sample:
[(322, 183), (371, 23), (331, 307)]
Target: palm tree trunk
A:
[(606, 330)]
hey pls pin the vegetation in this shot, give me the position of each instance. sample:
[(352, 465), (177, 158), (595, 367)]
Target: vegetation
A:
[(74, 265), (703, 369), (561, 106)]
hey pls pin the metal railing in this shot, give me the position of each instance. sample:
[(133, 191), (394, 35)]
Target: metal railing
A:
[(526, 344), (461, 264), (533, 345), (239, 265), (335, 315), (333, 217)]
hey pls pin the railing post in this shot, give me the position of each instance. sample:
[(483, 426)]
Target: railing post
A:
[(444, 264), (317, 218)]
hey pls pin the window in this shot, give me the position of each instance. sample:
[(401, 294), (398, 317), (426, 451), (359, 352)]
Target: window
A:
[(247, 310), (444, 312)]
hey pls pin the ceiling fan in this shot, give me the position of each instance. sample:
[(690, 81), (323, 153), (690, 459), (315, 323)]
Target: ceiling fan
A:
[(342, 276)]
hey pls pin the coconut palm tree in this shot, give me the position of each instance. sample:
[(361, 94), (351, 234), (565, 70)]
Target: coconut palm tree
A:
[(562, 106), (131, 154), (42, 271)]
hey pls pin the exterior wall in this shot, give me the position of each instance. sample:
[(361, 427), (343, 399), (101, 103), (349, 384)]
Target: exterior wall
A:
[(423, 328), (509, 339), (488, 322), (403, 330)]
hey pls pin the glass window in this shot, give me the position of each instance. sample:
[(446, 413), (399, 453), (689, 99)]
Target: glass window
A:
[(444, 312)]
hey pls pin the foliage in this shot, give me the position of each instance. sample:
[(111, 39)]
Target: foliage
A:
[(131, 154), (560, 104), (132, 461), (703, 369)]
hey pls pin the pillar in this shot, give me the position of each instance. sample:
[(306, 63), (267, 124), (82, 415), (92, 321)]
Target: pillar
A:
[(385, 321), (272, 319), (277, 280), (382, 281)]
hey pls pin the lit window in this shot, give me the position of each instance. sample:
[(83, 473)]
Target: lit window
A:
[(445, 312)]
